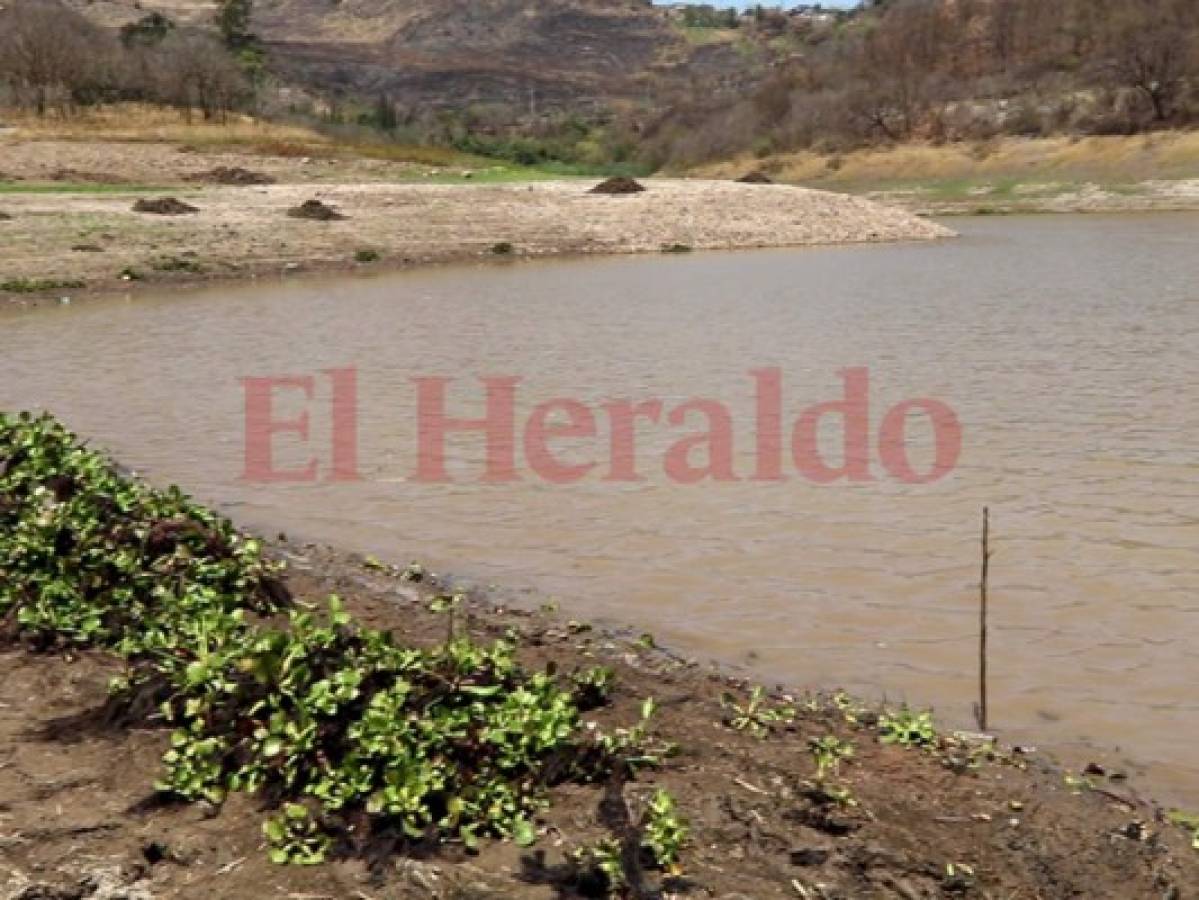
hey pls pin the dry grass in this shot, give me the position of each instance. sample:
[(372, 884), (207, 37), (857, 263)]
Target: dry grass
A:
[(1104, 159), (142, 123)]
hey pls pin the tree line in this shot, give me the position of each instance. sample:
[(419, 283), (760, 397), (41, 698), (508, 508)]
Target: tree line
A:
[(945, 70), (53, 59)]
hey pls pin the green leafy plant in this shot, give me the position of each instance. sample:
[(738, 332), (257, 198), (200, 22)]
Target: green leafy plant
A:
[(850, 709), (829, 752), (632, 748), (756, 716), (907, 728), (366, 256), (335, 723), (599, 867), (665, 832), (295, 838), (592, 687)]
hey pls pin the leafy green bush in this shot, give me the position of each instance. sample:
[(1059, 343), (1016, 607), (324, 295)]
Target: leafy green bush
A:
[(449, 742), (90, 557), (352, 737), (757, 716)]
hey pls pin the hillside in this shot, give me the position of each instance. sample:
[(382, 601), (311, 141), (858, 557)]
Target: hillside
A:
[(532, 58)]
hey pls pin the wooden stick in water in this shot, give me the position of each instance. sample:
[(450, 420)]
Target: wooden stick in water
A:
[(981, 709)]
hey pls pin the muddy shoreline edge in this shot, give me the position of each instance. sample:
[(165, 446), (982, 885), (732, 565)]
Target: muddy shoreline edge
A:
[(906, 813)]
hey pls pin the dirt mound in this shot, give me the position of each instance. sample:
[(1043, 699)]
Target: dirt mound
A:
[(164, 206), (758, 177), (233, 175), (619, 185), (4, 217), (316, 211)]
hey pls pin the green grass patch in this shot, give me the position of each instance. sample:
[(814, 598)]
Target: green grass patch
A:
[(491, 172), (39, 285)]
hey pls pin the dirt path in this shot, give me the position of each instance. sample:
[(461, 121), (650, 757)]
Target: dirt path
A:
[(72, 229)]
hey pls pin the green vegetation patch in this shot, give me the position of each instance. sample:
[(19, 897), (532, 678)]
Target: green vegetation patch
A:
[(356, 741), (39, 285), (176, 264)]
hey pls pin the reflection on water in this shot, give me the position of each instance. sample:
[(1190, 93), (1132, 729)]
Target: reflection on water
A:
[(1067, 346)]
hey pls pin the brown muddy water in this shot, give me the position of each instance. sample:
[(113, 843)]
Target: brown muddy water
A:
[(1068, 347)]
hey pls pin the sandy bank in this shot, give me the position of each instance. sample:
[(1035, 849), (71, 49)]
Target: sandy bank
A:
[(78, 229)]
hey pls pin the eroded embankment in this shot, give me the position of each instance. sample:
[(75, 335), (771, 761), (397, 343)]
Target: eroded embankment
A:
[(176, 711)]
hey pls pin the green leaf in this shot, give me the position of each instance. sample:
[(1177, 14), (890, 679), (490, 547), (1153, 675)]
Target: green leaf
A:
[(524, 833)]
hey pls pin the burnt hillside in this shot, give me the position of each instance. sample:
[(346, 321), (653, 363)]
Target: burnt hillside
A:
[(532, 58)]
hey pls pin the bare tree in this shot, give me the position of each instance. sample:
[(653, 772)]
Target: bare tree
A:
[(48, 53), (1151, 46), (197, 73)]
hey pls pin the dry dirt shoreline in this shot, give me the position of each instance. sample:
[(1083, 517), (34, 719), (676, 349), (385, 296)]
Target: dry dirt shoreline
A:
[(77, 817), (72, 223)]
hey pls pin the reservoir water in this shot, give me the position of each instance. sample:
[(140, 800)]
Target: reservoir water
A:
[(1067, 348)]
